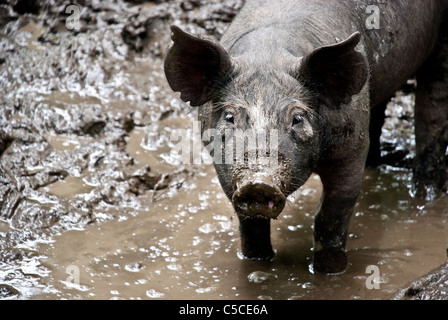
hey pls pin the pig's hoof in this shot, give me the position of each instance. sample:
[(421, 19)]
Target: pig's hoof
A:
[(330, 261), (267, 254), (429, 191)]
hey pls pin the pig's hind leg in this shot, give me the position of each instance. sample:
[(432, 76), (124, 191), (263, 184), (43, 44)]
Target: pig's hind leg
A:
[(377, 116), (431, 121)]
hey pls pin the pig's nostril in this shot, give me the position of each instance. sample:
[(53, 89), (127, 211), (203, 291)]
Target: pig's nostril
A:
[(259, 199)]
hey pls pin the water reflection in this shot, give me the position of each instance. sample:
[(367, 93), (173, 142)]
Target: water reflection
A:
[(186, 245)]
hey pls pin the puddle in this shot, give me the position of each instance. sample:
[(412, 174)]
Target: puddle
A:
[(93, 205), (185, 246)]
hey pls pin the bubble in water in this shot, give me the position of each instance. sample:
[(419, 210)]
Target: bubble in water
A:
[(220, 218), (174, 267), (306, 285), (294, 228), (261, 276), (154, 294), (207, 228), (306, 191), (206, 290), (133, 267)]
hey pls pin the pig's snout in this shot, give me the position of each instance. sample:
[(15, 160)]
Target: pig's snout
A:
[(258, 199)]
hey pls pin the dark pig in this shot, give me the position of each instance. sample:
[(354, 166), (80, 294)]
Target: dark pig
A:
[(313, 72)]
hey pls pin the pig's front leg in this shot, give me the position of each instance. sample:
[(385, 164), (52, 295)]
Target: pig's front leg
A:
[(255, 236), (341, 188)]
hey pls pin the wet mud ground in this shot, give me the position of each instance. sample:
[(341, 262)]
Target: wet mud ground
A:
[(93, 205)]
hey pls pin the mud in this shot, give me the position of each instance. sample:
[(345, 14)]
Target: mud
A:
[(94, 206), (431, 286)]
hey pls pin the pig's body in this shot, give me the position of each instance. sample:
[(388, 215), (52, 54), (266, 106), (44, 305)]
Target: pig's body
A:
[(292, 66)]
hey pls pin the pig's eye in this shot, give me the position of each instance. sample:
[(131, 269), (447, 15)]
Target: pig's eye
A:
[(298, 119), (229, 117)]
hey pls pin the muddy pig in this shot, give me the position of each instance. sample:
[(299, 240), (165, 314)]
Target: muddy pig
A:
[(313, 72)]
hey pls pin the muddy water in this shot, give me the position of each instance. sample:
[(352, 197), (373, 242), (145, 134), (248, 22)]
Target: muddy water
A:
[(185, 243), (93, 206)]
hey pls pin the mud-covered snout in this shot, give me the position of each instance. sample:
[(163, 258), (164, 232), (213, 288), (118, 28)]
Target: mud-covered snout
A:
[(258, 199)]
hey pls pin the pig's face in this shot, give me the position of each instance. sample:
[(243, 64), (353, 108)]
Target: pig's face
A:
[(272, 113), (268, 119)]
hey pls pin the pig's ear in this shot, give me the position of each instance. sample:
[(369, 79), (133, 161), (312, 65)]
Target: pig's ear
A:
[(194, 65), (335, 72)]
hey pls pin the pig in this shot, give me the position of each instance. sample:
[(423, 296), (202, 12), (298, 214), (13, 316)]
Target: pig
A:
[(320, 75)]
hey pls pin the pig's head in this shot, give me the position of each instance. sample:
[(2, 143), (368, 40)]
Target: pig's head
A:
[(284, 99)]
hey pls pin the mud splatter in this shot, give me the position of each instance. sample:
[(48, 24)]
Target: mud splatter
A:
[(87, 184)]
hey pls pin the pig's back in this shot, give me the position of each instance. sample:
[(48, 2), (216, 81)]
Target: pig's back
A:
[(406, 34)]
